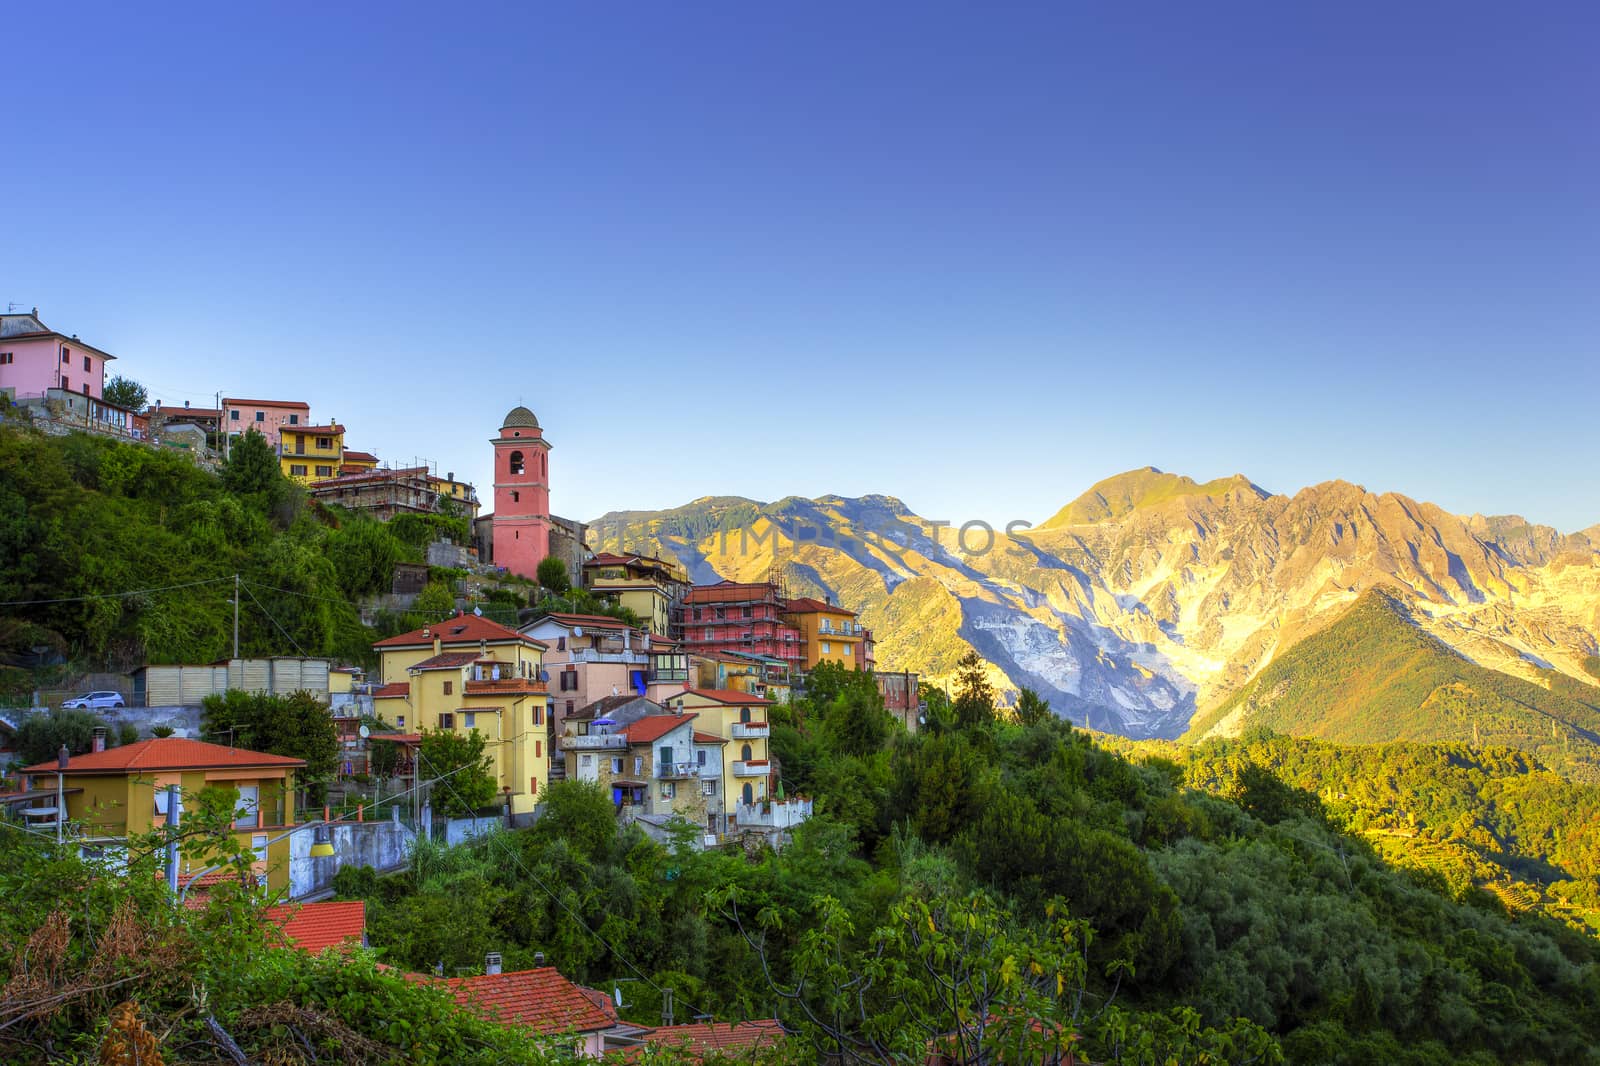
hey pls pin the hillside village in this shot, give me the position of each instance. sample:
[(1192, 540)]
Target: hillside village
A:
[(664, 703)]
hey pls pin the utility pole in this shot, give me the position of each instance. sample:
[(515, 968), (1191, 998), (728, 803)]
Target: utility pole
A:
[(666, 1007), (235, 616), (222, 428)]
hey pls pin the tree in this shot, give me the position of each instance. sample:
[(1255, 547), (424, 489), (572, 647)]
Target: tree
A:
[(253, 470), (434, 604), (125, 392), (974, 702), (40, 736), (579, 813), (1031, 710), (553, 575), (297, 725), (856, 722), (468, 783)]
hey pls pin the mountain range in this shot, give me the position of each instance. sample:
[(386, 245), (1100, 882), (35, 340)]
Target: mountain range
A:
[(1148, 605)]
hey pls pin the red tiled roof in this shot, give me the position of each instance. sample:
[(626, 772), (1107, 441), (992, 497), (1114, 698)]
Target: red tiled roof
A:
[(315, 926), (228, 401), (450, 660), (729, 696), (541, 1000), (462, 629), (167, 753), (720, 1039), (391, 690), (810, 605), (332, 427), (366, 457), (708, 738), (608, 559), (166, 411), (653, 727), (729, 590)]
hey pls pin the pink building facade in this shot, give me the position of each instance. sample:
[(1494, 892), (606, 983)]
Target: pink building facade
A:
[(521, 494), (35, 358), (266, 417)]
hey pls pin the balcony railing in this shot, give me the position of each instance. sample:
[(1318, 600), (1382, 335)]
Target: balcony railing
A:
[(750, 730), (589, 655), (778, 814), (664, 676), (839, 631), (752, 768), (593, 742), (670, 771), (506, 686)]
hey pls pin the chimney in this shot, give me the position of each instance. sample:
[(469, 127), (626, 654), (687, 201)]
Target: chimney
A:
[(450, 476), (538, 958), (491, 963), (185, 403), (99, 738)]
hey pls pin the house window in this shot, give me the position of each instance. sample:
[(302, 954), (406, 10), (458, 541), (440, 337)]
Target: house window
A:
[(709, 633), (538, 715), (297, 470), (324, 471), (447, 720), (516, 497), (538, 749), (258, 844), (561, 644), (825, 648), (616, 765), (66, 384), (233, 416), (745, 753), (399, 721), (569, 706), (700, 756), (86, 364), (261, 416), (638, 764), (7, 358), (708, 788), (448, 687), (668, 790), (246, 812), (324, 442), (469, 720), (294, 420), (66, 355), (86, 388)]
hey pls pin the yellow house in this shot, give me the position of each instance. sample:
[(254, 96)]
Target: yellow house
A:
[(311, 453), (741, 719), (643, 584), (460, 493), (122, 791), (469, 674), (829, 633), (358, 462), (754, 675)]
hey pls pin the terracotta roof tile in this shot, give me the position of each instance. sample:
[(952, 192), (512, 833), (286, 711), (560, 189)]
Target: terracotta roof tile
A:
[(653, 727), (229, 401), (166, 753), (461, 629), (392, 690), (315, 926), (597, 621), (809, 605), (541, 1000), (708, 738), (719, 1039), (450, 660)]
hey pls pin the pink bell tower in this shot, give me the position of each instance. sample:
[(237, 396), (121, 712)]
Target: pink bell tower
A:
[(521, 494)]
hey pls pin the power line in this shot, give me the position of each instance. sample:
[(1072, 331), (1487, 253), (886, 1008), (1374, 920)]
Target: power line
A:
[(114, 595), (567, 907), (273, 620)]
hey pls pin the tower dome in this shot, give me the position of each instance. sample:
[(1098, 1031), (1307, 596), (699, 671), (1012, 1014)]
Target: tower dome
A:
[(520, 416)]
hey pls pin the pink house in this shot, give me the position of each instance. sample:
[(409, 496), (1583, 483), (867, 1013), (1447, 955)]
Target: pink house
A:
[(35, 358), (266, 417)]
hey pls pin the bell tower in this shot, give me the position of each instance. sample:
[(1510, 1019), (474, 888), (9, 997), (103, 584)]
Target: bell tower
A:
[(521, 494)]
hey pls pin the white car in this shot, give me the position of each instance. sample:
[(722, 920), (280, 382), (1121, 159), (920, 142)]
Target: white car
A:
[(95, 701)]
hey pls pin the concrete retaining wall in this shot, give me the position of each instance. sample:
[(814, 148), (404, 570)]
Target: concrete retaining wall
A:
[(380, 845)]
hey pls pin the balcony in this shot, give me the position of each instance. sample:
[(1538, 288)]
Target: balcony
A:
[(627, 658), (677, 771), (593, 742), (847, 632), (750, 730), (752, 768), (506, 686), (775, 814), (667, 676)]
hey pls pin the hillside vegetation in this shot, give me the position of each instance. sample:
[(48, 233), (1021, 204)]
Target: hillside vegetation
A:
[(86, 523), (1374, 676)]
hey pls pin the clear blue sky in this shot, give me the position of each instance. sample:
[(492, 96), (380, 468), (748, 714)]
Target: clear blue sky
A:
[(975, 256)]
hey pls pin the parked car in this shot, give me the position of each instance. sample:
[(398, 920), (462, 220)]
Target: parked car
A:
[(95, 701)]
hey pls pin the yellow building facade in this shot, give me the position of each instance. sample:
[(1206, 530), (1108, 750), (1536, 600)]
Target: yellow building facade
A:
[(468, 674), (741, 719), (643, 584), (829, 633), (311, 453), (121, 792)]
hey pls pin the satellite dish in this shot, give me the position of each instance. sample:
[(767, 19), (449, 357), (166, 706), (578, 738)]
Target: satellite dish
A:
[(478, 611), (577, 631), (364, 731)]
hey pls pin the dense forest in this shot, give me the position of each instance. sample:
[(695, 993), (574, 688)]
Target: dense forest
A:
[(1195, 918)]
